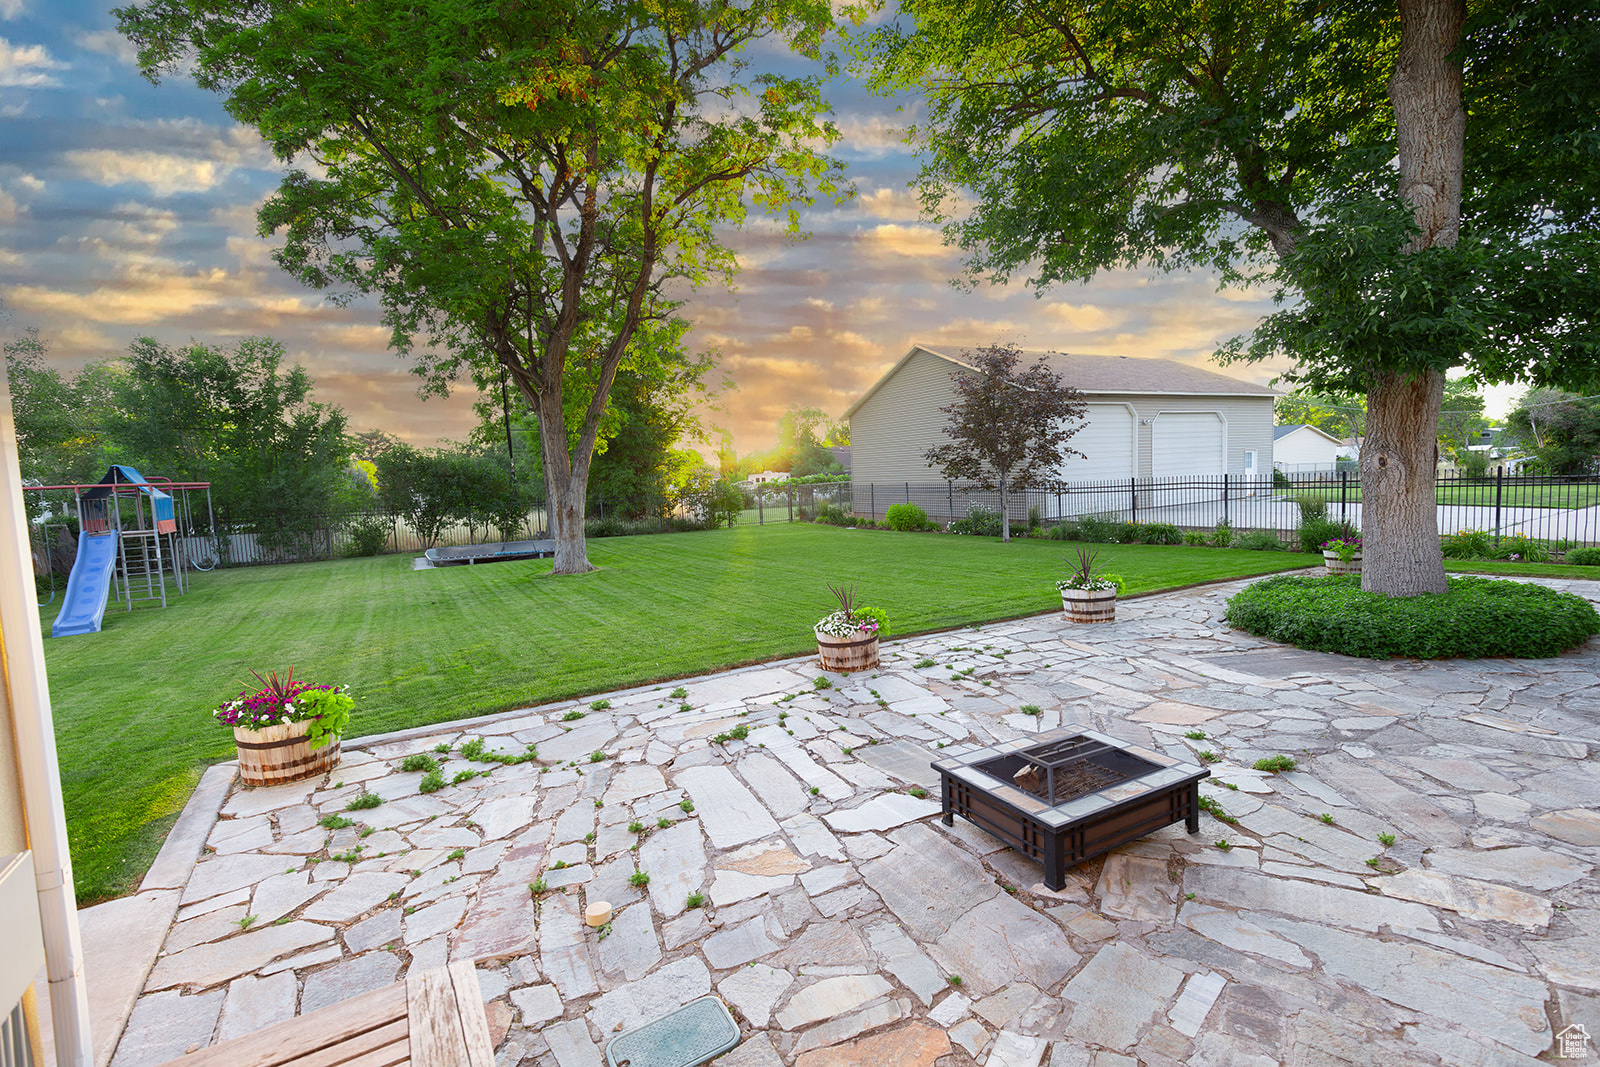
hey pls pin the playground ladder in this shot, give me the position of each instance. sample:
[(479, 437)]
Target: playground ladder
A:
[(140, 567)]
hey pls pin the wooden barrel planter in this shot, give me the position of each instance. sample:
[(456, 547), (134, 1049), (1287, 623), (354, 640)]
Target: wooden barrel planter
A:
[(1336, 565), (281, 754), (1089, 605), (855, 653)]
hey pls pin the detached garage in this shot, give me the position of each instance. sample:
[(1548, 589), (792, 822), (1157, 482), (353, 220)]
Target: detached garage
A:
[(1147, 419)]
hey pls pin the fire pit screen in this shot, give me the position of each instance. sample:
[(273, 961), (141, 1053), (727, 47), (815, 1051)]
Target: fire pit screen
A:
[(1066, 796)]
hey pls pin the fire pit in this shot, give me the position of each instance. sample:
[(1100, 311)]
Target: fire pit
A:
[(1069, 795)]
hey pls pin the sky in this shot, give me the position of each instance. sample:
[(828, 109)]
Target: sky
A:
[(128, 209)]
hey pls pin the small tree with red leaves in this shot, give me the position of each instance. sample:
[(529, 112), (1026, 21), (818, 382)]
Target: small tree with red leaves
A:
[(1009, 427)]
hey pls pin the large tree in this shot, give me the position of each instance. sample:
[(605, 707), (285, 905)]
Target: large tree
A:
[(1318, 144), (516, 180), (1009, 425)]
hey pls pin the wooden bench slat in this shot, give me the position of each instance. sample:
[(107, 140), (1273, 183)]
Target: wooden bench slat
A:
[(469, 1009), (435, 1021), (396, 1053), (293, 1039), (380, 1043)]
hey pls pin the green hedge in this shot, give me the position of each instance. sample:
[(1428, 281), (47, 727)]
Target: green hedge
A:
[(1478, 617)]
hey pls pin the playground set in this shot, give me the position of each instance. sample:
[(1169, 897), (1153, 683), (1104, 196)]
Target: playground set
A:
[(133, 534)]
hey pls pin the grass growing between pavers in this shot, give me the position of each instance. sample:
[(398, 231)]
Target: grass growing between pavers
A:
[(132, 703)]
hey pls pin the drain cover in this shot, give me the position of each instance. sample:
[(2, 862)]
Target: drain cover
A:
[(693, 1034)]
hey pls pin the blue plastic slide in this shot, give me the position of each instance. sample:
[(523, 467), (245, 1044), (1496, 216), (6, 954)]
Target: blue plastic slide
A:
[(88, 587)]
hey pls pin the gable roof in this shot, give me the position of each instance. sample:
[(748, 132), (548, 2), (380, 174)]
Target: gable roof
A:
[(1280, 432), (1142, 375)]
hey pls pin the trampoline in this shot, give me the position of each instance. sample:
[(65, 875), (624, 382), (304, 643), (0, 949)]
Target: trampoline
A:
[(496, 552)]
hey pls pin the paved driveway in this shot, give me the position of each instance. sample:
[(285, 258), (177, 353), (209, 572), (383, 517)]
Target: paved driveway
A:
[(844, 924)]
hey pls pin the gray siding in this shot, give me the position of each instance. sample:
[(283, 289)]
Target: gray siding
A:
[(895, 426)]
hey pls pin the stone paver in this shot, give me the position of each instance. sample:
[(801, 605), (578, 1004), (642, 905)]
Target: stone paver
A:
[(843, 924)]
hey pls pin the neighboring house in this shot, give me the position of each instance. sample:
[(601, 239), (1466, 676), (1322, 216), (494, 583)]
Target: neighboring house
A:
[(841, 456), (1147, 418), (1302, 447), (767, 476), (1497, 446)]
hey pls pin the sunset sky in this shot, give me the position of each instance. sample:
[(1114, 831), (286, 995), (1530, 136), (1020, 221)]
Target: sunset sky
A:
[(128, 209)]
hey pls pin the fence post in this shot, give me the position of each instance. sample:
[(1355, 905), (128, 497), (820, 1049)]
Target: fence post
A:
[(790, 495), (1225, 497), (1344, 492), (872, 499), (761, 512), (1499, 487), (1133, 499)]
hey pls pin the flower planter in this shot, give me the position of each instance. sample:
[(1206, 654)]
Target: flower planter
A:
[(847, 654), (1336, 565), (1089, 605), (281, 753)]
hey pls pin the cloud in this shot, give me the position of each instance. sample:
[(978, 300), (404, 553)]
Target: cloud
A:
[(106, 43), (915, 242), (897, 205), (1084, 317), (24, 66), (165, 174), (11, 9)]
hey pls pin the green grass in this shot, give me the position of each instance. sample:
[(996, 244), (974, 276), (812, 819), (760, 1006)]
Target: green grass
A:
[(133, 702), (1470, 494)]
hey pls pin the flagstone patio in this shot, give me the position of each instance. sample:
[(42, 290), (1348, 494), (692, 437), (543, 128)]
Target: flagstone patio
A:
[(844, 924)]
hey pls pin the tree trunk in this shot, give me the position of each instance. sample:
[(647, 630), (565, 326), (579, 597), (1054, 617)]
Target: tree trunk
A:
[(566, 488), (1400, 515), (1005, 516)]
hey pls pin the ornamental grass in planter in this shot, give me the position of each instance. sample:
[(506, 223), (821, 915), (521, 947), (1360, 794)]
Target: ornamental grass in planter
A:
[(847, 639), (286, 730), (1087, 594)]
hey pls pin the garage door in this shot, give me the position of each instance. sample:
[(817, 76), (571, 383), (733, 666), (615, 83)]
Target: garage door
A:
[(1106, 441), (1187, 443)]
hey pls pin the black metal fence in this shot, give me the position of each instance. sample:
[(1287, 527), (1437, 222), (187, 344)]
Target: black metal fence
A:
[(1547, 508)]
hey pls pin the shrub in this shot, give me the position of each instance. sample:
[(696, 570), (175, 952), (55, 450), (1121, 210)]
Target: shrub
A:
[(832, 514), (1063, 531), (906, 517), (1161, 533), (1222, 536), (1098, 529), (980, 522), (369, 535), (1467, 544), (610, 526), (1312, 507), (1259, 541), (1583, 557), (1194, 537), (1523, 548), (1126, 533), (1314, 533), (1477, 617), (1281, 480)]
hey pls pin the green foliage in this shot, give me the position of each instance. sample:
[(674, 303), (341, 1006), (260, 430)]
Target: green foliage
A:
[(1258, 541), (363, 801), (877, 615), (694, 900), (516, 198), (1275, 764), (1160, 533), (369, 534), (1099, 529), (906, 517), (1312, 507), (835, 515), (1469, 544), (437, 488), (980, 522), (1222, 535), (1194, 537), (1524, 548), (1478, 617), (419, 761), (1312, 534), (638, 879), (1583, 557), (431, 782), (1280, 480), (1341, 415), (334, 822)]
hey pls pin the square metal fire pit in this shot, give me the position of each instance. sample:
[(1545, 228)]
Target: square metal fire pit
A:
[(1068, 795)]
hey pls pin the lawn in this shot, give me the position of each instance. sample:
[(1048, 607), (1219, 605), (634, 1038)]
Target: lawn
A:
[(132, 702)]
